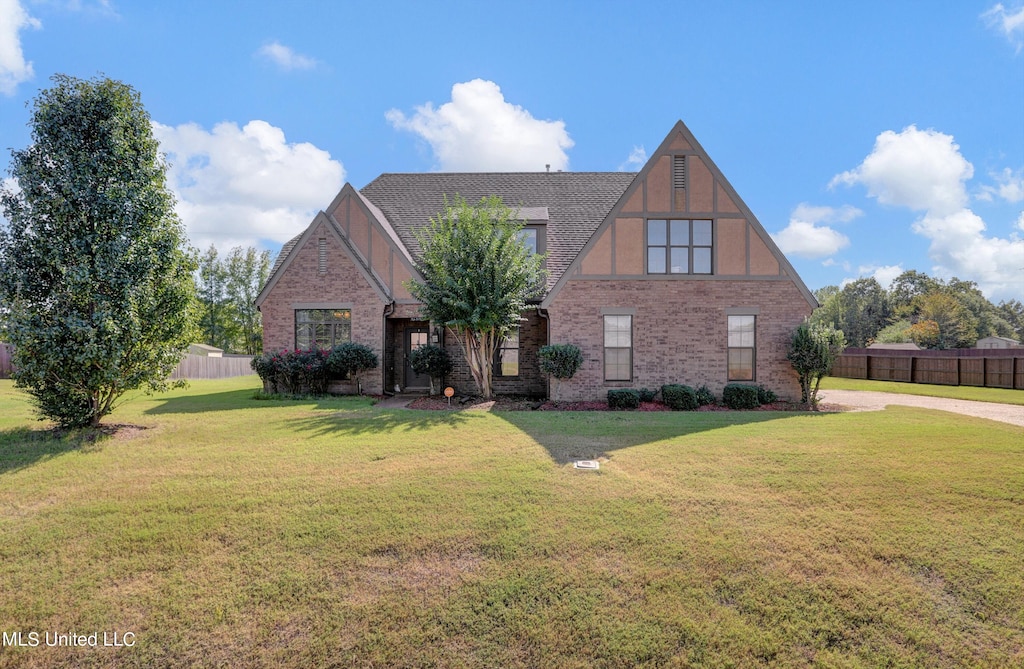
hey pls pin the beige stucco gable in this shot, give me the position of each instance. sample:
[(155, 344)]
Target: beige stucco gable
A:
[(680, 181)]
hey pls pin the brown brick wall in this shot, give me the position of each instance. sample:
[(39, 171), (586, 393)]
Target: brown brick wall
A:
[(679, 331), (533, 334), (342, 283)]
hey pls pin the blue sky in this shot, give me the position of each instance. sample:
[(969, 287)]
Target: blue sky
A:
[(869, 138)]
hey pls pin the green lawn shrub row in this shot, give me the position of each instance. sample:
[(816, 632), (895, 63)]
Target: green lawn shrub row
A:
[(623, 398), (679, 397)]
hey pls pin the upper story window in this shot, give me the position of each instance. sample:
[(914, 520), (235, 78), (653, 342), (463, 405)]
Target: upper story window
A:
[(530, 238), (679, 246), (322, 328)]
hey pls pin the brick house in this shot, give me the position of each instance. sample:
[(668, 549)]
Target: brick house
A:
[(659, 276)]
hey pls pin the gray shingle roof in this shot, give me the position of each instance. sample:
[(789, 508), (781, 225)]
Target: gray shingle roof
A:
[(576, 202)]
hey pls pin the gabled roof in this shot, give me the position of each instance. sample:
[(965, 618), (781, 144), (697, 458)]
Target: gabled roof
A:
[(576, 203)]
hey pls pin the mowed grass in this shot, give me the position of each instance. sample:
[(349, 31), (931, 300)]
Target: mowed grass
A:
[(998, 395), (236, 532)]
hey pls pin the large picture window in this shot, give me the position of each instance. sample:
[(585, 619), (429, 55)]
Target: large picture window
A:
[(677, 246), (741, 347), (618, 348), (508, 355), (322, 328)]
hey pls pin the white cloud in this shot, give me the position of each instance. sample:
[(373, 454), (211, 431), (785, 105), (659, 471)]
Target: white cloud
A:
[(1009, 186), (285, 57), (237, 186), (1010, 22), (924, 171), (14, 69), (807, 238), (637, 159), (919, 169), (478, 131)]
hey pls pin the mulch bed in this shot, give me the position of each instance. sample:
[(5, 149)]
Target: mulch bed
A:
[(439, 403)]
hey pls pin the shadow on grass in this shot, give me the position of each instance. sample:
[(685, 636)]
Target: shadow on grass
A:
[(24, 447), (245, 399), (369, 420), (569, 436)]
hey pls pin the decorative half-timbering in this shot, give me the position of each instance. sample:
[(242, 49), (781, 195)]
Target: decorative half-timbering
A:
[(662, 276)]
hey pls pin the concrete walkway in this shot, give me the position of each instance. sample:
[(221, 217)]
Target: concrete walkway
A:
[(399, 401), (865, 400)]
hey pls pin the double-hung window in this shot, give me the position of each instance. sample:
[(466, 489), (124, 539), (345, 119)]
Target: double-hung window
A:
[(508, 355), (741, 347), (679, 246), (618, 347), (322, 328)]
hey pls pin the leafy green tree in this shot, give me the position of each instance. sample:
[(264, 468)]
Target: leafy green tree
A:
[(860, 309), (92, 261), (477, 277), (813, 351), (247, 270), (895, 333), (957, 327), (906, 288), (216, 322), (1012, 312)]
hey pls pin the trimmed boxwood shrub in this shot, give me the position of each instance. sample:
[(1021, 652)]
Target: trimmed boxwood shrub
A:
[(623, 398), (705, 396), (350, 360), (740, 396), (679, 397), (647, 395), (766, 395)]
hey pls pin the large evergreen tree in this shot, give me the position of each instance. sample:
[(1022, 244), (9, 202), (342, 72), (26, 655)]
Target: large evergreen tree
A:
[(92, 262), (478, 275)]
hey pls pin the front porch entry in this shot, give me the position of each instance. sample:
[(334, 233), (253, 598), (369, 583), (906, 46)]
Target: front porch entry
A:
[(406, 335)]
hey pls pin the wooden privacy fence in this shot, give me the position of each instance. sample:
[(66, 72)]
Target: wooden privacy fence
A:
[(190, 367), (204, 367), (993, 368)]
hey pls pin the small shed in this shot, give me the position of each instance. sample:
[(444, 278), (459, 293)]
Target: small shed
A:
[(206, 350), (997, 342)]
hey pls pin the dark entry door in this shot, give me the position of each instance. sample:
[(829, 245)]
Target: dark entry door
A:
[(414, 338)]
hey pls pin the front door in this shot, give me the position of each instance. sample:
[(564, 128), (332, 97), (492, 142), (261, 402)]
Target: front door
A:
[(414, 338)]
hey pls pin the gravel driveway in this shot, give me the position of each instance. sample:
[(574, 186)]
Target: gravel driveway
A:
[(865, 400)]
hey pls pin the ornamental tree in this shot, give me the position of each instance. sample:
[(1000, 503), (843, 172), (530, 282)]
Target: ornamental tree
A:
[(812, 352), (477, 278), (93, 265), (560, 362)]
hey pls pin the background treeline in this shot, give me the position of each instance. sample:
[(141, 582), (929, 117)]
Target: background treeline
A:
[(917, 308), (226, 290)]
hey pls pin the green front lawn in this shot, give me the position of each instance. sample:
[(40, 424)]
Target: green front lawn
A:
[(999, 395), (236, 532)]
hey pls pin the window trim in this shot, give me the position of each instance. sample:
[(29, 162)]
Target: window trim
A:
[(605, 315), (332, 324), (752, 348), (669, 246), (502, 347)]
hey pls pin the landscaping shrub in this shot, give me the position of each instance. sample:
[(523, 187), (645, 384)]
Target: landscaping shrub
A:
[(647, 395), (740, 396), (679, 397), (560, 361), (623, 398), (350, 360), (431, 360), (293, 372), (705, 396), (766, 395)]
